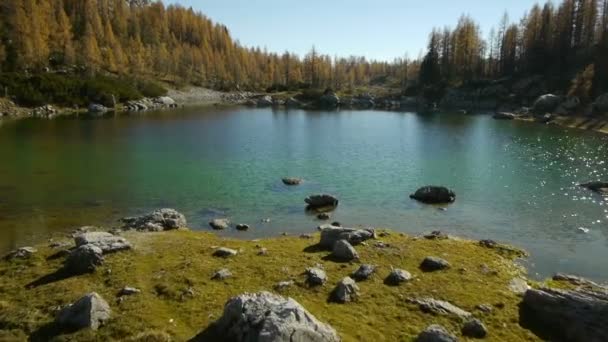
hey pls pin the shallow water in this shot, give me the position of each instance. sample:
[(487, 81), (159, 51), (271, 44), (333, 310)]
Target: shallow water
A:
[(515, 182)]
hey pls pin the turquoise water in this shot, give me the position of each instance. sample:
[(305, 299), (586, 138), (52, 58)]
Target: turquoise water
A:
[(515, 182)]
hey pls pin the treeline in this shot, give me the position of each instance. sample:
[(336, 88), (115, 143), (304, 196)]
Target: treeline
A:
[(567, 44), (172, 43)]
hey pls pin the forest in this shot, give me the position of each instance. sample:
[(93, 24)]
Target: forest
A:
[(174, 45)]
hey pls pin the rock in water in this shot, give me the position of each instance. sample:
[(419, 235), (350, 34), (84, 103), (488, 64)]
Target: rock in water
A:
[(315, 276), (292, 181), (546, 104), (431, 264), (504, 116), (344, 251), (331, 234), (83, 259), (364, 272), (600, 187), (573, 316), (322, 200), (107, 242), (159, 220), (242, 227), (346, 291), (397, 276), (220, 224), (267, 317), (475, 329), (436, 333), (434, 195), (90, 311)]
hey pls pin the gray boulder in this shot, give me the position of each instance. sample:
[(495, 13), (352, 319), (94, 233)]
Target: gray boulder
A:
[(315, 276), (242, 227), (266, 317), (292, 181), (225, 252), (364, 272), (321, 200), (222, 274), (434, 195), (90, 311), (475, 329), (431, 264), (439, 307), (107, 242), (346, 291), (558, 315), (158, 220), (83, 259), (344, 251), (436, 333), (21, 253), (220, 224), (331, 234), (546, 104), (397, 277), (265, 101)]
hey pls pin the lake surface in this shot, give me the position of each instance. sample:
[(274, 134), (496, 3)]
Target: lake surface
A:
[(515, 182)]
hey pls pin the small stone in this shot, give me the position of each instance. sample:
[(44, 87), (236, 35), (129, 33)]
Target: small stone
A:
[(485, 308), (242, 227), (222, 274), (431, 264), (344, 251), (475, 329), (263, 251), (223, 252), (364, 272), (346, 291), (315, 276), (436, 333), (436, 235), (128, 291), (21, 253), (283, 285), (397, 276), (220, 224)]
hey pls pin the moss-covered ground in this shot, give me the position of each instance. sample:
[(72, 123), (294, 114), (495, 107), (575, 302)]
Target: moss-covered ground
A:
[(179, 299)]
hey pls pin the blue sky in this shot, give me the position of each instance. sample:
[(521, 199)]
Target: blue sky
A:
[(376, 29)]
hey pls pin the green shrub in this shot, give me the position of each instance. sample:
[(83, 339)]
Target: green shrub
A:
[(151, 89)]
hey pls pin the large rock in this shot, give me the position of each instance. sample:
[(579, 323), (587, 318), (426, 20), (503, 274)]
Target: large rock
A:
[(434, 195), (83, 259), (266, 317), (344, 251), (90, 311), (600, 187), (546, 104), (107, 242), (436, 333), (559, 315), (346, 291), (321, 200), (331, 234), (158, 220)]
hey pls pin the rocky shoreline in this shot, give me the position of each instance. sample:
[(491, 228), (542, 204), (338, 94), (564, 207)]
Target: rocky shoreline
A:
[(150, 278)]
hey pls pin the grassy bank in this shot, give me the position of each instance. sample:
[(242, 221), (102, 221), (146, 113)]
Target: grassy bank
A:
[(179, 299)]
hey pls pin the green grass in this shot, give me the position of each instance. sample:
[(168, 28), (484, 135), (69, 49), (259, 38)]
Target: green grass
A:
[(165, 265)]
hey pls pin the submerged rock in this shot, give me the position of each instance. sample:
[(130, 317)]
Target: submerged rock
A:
[(267, 317), (292, 181), (90, 311), (346, 291), (315, 276), (397, 277), (558, 315), (158, 220), (21, 253), (434, 195), (436, 333), (364, 272), (84, 259), (220, 224), (331, 234), (344, 251), (321, 201), (107, 242), (430, 264)]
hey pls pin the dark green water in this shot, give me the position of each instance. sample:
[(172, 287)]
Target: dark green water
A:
[(515, 182)]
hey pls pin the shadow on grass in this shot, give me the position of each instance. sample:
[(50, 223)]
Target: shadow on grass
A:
[(49, 331), (59, 275), (316, 248)]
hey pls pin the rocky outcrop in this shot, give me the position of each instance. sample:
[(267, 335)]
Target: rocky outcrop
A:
[(83, 259), (332, 234), (267, 317), (346, 291), (344, 251), (559, 315), (321, 201), (107, 242), (90, 311), (546, 104), (158, 220), (434, 195)]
